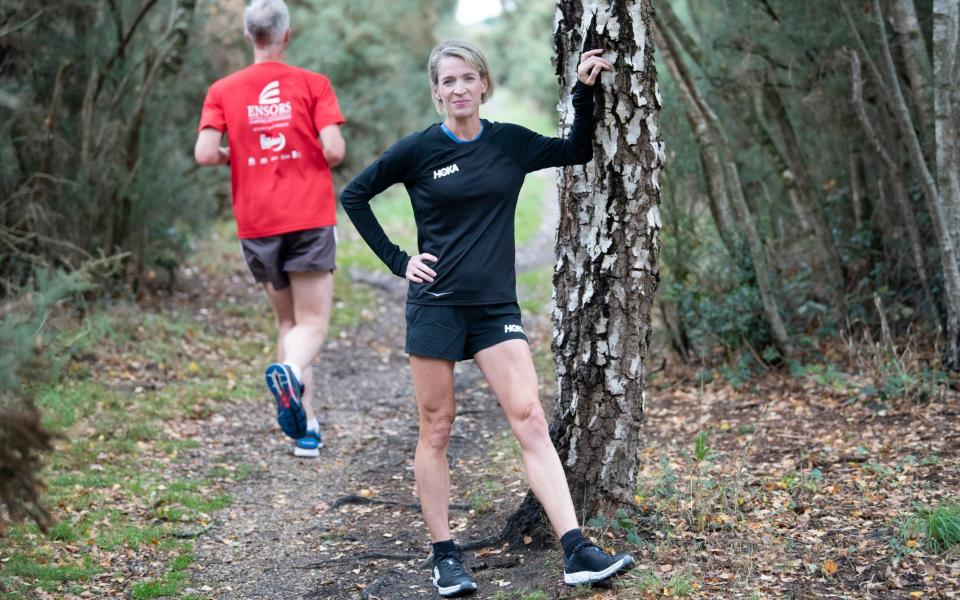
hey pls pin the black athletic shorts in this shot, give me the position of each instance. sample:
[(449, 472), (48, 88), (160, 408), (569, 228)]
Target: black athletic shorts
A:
[(458, 332), (308, 251)]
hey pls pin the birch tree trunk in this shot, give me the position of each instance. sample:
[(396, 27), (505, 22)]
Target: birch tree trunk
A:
[(915, 60), (608, 249), (941, 194), (946, 61), (897, 179)]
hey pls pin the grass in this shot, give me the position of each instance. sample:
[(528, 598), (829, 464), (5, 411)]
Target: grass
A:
[(678, 585), (524, 595), (395, 214), (937, 529), (128, 371), (509, 107)]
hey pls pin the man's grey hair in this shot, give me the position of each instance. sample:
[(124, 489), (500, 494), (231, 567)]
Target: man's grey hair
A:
[(266, 21)]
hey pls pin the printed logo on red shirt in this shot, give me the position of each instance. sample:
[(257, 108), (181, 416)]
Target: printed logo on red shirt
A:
[(272, 143), (269, 109), (273, 113), (270, 94)]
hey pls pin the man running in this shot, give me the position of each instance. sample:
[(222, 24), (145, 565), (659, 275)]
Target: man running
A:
[(283, 131)]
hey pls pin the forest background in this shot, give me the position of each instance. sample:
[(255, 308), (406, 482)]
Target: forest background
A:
[(799, 236)]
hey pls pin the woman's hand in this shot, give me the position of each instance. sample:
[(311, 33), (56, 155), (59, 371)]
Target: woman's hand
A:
[(418, 272), (591, 63)]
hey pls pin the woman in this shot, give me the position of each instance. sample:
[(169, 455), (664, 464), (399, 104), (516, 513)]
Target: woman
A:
[(463, 177)]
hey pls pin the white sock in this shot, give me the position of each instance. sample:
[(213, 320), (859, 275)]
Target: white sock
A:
[(313, 425), (296, 371)]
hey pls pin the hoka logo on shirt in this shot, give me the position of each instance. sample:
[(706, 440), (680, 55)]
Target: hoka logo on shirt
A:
[(446, 171), (513, 328)]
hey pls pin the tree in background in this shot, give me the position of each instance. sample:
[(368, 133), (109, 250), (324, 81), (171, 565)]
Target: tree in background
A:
[(93, 167), (946, 204), (376, 61), (843, 212), (519, 44)]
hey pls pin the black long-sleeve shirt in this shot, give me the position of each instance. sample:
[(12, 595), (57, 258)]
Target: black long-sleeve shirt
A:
[(464, 197)]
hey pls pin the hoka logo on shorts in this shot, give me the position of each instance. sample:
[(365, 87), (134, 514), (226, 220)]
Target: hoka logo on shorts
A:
[(513, 328), (446, 171), (268, 107)]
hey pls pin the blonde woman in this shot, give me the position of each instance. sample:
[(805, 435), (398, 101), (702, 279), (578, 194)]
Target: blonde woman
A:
[(463, 177)]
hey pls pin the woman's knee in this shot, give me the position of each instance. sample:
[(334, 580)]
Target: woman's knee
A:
[(530, 425)]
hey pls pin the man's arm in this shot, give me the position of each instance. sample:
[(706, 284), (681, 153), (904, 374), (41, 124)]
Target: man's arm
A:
[(334, 148), (208, 151)]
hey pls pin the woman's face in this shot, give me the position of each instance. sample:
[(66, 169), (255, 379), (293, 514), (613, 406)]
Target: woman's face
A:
[(459, 87)]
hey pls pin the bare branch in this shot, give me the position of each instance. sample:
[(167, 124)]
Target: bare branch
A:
[(49, 124), (26, 23), (676, 27), (902, 113), (894, 173), (121, 47)]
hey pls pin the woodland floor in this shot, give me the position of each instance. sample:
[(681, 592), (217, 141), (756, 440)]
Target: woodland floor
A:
[(801, 494), (797, 489)]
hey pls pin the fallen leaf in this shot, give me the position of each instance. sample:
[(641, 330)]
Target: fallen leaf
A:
[(829, 567)]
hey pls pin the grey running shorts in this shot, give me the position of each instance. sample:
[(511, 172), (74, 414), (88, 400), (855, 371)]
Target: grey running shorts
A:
[(271, 258), (458, 332)]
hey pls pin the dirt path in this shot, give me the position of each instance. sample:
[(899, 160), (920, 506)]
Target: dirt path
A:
[(803, 489), (283, 538)]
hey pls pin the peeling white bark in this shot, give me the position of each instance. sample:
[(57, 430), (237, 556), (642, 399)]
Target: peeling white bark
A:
[(608, 246)]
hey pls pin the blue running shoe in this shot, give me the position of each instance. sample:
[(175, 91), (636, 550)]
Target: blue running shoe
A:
[(309, 445), (287, 390)]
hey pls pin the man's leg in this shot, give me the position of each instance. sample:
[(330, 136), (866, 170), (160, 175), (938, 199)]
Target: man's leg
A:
[(312, 298), (282, 304)]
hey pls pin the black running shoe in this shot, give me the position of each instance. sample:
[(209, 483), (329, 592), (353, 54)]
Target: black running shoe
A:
[(590, 564), (451, 578)]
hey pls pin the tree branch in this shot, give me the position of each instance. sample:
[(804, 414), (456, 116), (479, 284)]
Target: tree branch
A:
[(903, 113), (26, 23)]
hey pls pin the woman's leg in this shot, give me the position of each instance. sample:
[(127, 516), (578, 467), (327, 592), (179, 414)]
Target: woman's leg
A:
[(508, 368), (433, 384)]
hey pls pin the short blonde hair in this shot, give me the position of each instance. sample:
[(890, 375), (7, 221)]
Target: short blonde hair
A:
[(471, 54)]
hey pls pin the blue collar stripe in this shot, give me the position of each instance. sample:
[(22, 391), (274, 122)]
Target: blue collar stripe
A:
[(450, 134)]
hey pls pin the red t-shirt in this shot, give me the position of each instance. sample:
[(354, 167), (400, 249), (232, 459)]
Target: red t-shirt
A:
[(272, 114)]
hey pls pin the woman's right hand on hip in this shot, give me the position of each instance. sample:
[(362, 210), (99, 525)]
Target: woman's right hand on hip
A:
[(418, 272)]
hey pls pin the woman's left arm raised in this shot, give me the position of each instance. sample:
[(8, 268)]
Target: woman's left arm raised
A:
[(577, 148)]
